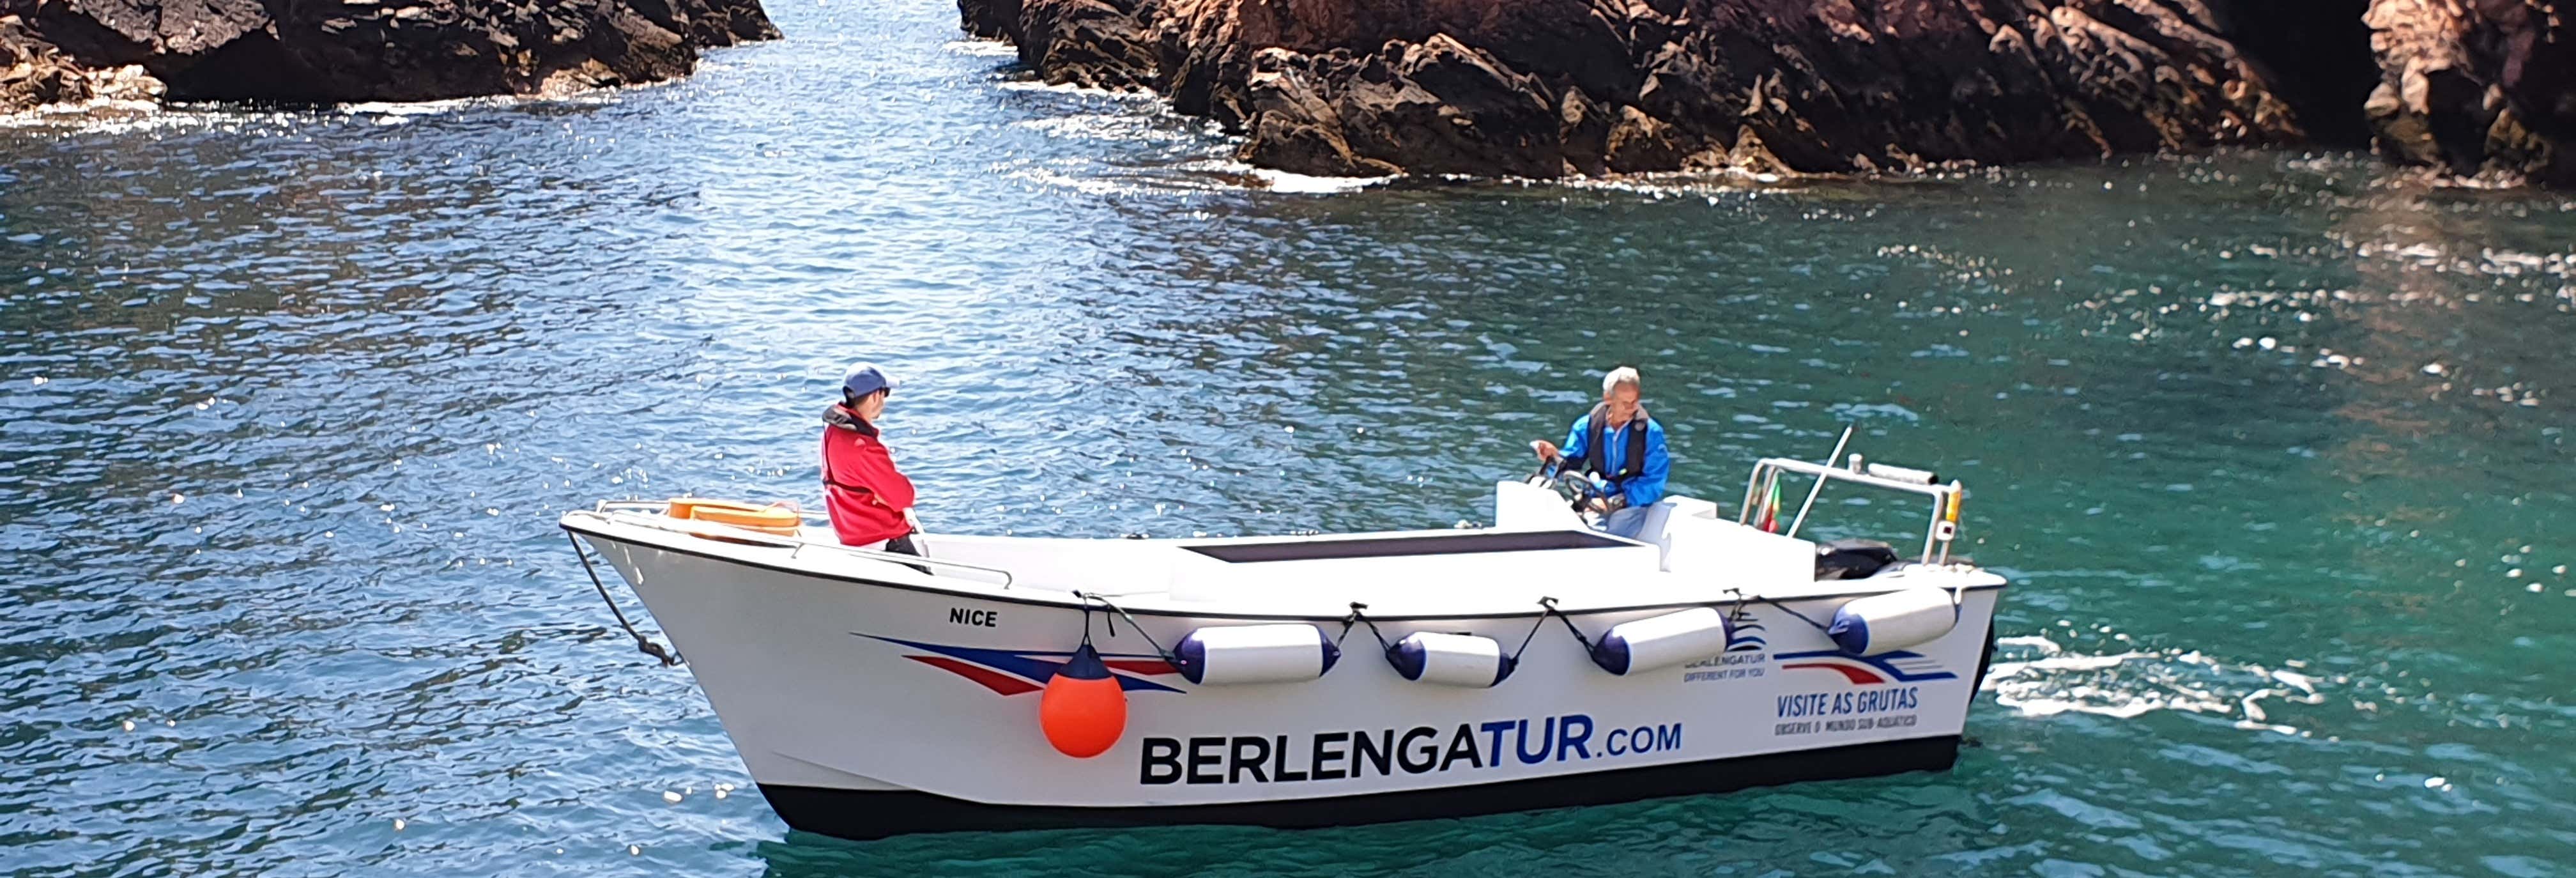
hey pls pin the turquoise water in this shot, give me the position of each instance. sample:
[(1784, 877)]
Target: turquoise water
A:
[(2275, 449)]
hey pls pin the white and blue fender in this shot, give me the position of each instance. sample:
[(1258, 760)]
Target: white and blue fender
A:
[(1893, 621), (1242, 654), (1450, 660), (1662, 641)]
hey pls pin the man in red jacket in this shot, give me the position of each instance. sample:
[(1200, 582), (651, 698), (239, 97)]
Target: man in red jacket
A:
[(871, 503)]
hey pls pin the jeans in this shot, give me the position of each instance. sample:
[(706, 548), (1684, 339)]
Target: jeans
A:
[(902, 545), (1625, 522)]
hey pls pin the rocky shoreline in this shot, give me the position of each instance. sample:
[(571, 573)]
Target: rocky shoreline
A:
[(1550, 88), (333, 51), (2482, 89)]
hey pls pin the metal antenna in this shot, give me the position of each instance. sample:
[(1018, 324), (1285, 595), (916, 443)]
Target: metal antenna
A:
[(1820, 482)]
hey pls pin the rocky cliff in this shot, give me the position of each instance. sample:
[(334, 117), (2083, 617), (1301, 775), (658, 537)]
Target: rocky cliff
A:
[(322, 51), (1546, 88), (2477, 88)]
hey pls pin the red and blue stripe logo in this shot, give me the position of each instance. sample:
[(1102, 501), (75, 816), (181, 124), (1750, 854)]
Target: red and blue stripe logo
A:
[(1892, 667), (1022, 671)]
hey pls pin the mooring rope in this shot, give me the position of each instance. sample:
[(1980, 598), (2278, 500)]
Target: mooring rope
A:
[(1088, 597), (669, 658), (1356, 618), (1741, 598), (1547, 607)]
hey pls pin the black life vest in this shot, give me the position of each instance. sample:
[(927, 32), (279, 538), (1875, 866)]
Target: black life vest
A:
[(1634, 462)]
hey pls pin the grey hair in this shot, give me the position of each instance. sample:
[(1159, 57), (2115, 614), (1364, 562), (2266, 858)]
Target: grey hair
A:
[(1626, 375)]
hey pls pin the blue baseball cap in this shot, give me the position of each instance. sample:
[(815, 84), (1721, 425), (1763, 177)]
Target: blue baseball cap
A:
[(865, 378)]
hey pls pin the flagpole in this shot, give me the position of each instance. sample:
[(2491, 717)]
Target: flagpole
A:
[(1820, 480)]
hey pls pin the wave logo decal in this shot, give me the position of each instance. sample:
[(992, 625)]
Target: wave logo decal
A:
[(1892, 667), (1022, 671)]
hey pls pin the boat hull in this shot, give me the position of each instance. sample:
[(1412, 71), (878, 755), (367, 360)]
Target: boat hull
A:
[(867, 703), (867, 815)]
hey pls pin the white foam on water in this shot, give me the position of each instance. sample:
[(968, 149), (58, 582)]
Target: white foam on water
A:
[(2044, 645), (1129, 127), (398, 112), (1283, 181), (2037, 676), (416, 108), (1080, 90), (1089, 185), (104, 114), (981, 48)]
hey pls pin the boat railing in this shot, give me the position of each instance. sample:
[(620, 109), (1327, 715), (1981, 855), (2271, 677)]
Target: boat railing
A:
[(652, 514), (1941, 529)]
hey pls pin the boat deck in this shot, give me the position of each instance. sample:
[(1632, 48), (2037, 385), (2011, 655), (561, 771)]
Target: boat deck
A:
[(1406, 573), (1537, 550)]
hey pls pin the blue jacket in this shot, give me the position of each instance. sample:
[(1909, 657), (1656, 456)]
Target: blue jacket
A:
[(1648, 486)]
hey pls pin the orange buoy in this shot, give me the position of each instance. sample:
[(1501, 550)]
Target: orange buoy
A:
[(1084, 710)]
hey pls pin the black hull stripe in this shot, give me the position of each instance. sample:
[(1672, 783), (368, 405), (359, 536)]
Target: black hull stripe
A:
[(867, 815), (1068, 603)]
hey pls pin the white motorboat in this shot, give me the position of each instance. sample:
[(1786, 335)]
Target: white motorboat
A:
[(1313, 680)]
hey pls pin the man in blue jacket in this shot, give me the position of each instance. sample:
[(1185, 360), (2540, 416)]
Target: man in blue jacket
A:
[(1622, 446)]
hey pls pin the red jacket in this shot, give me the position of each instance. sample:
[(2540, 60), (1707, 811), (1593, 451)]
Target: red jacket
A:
[(865, 494)]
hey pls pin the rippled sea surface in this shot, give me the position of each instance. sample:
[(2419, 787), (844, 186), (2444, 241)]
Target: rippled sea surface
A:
[(2274, 446)]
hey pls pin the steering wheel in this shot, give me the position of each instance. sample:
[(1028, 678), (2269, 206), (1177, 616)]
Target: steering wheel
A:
[(1576, 488)]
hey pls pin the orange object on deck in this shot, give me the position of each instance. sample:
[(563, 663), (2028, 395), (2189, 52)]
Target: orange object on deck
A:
[(778, 519)]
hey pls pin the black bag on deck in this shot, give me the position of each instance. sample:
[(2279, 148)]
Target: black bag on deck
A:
[(1852, 559)]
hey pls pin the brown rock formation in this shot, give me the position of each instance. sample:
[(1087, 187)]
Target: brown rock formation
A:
[(34, 73), (1434, 107), (1550, 87), (323, 51), (2475, 87)]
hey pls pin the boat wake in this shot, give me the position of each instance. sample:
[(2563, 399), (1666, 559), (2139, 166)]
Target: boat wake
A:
[(2037, 676)]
